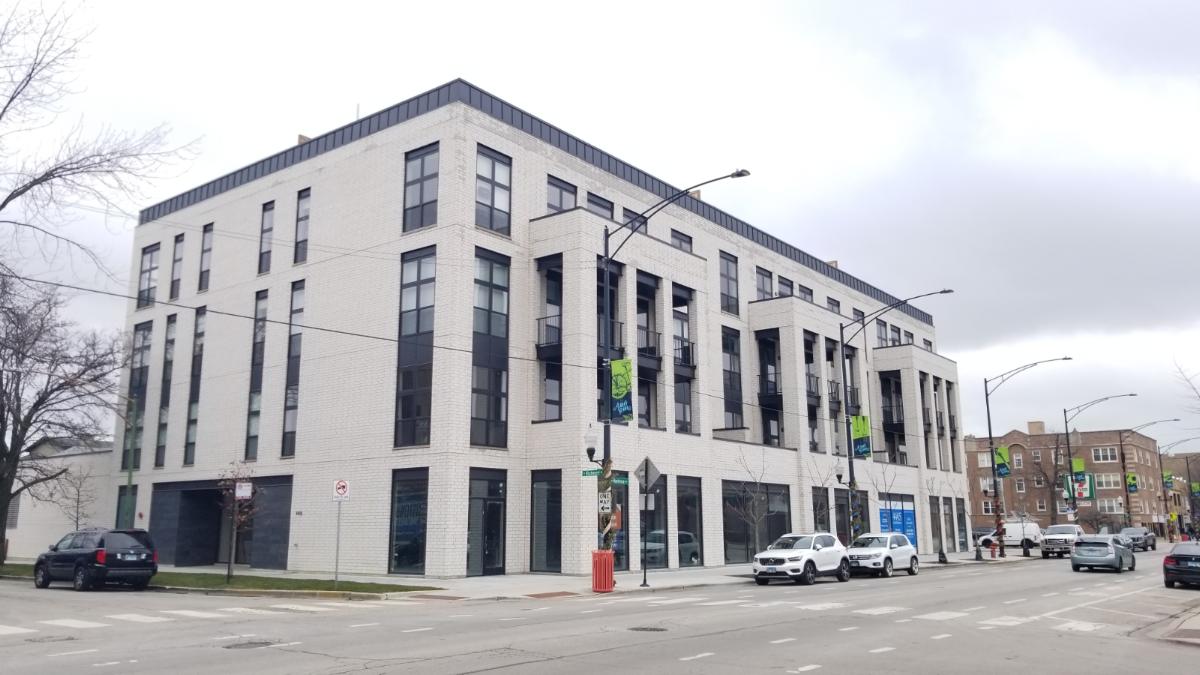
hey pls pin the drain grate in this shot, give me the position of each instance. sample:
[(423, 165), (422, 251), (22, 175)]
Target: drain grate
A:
[(253, 644), (648, 629)]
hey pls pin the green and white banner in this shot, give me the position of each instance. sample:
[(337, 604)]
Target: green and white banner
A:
[(860, 435), (622, 389), (1168, 480), (1001, 458), (1078, 466), (1131, 482)]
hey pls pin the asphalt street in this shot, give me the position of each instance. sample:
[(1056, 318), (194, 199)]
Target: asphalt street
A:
[(1034, 614)]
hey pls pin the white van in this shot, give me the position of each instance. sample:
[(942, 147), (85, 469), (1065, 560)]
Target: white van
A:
[(1014, 535)]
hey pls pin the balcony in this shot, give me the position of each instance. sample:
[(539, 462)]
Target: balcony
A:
[(835, 395), (685, 359), (649, 348), (549, 338), (854, 404), (893, 413), (770, 391), (616, 338), (812, 386), (941, 422)]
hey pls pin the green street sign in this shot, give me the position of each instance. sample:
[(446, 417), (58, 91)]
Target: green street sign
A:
[(620, 480), (591, 472)]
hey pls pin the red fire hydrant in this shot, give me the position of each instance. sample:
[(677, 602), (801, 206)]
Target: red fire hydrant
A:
[(993, 548), (602, 571)]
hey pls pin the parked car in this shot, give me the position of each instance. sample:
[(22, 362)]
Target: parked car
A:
[(1182, 564), (1060, 539), (1142, 537), (1014, 534), (1103, 550), (93, 557), (879, 553), (802, 557)]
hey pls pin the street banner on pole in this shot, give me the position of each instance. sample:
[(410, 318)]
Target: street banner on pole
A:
[(1078, 467), (1168, 480), (622, 389), (1082, 489), (1195, 489), (243, 490), (1001, 460), (1131, 482), (860, 433)]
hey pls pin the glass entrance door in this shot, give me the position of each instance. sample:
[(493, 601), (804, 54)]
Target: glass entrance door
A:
[(486, 522)]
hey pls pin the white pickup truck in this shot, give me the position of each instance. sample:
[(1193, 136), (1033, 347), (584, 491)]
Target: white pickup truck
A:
[(1060, 539)]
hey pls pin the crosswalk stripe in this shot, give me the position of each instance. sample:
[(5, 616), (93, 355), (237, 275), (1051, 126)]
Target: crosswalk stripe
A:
[(1007, 621), (718, 603), (303, 608), (821, 606), (941, 616), (193, 614), (73, 623), (876, 611), (249, 610), (138, 618), (1079, 626), (15, 630)]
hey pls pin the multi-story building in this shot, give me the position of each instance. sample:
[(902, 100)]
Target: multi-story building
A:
[(409, 304), (1184, 490), (1039, 466)]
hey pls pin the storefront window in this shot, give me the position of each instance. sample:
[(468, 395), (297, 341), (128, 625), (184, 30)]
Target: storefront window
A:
[(410, 489), (690, 521), (545, 526)]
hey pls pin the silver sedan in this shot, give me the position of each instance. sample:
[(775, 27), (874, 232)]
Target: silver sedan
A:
[(1111, 551)]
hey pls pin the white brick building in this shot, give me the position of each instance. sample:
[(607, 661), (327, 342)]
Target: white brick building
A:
[(475, 466)]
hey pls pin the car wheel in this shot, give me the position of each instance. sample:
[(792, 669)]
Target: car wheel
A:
[(1060, 555), (41, 578), (914, 567), (1075, 568), (762, 582), (1045, 555), (140, 585), (808, 576), (1119, 567), (82, 580), (887, 569), (1154, 546), (1168, 583), (843, 573)]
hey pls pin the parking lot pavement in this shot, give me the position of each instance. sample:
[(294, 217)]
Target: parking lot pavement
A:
[(937, 622)]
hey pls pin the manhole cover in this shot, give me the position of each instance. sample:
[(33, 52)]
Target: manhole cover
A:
[(51, 638), (254, 644), (648, 629)]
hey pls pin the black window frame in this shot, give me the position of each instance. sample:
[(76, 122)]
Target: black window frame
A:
[(785, 283), (556, 190), (303, 207), (489, 391), (681, 241), (551, 404), (193, 409), (176, 267), (206, 248), (492, 287), (804, 292), (418, 186), (729, 283), (600, 206), (834, 305), (266, 236), (489, 215), (148, 276), (291, 385), (135, 418), (414, 368), (258, 340), (416, 543), (731, 378), (764, 283), (164, 390)]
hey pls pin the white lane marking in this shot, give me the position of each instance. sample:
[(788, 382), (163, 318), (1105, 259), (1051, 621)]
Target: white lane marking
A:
[(106, 663), (1090, 603), (821, 606), (1079, 626), (974, 574), (986, 627), (1049, 595), (975, 609), (287, 644), (591, 611), (303, 608), (848, 628), (1008, 620), (636, 599), (234, 637), (941, 616), (1089, 594), (942, 636), (511, 618), (138, 618), (718, 603), (193, 614), (903, 620), (743, 597), (363, 625), (701, 655), (881, 650), (1013, 602), (249, 610), (460, 616), (1077, 588), (540, 609), (80, 651), (417, 630), (676, 601), (74, 623), (805, 669), (876, 611), (1118, 611), (14, 630), (782, 640)]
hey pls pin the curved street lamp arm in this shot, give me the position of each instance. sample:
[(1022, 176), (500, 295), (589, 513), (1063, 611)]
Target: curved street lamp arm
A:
[(1005, 377), (1147, 424), (880, 312), (1168, 446), (642, 218), (1071, 413)]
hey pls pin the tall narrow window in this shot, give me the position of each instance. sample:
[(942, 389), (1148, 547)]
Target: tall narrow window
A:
[(489, 406), (489, 373), (164, 393), (729, 283), (139, 371), (881, 333), (762, 282), (908, 337), (414, 376), (895, 336), (176, 267), (291, 390), (410, 503), (148, 276), (206, 246), (300, 251), (193, 414), (493, 181), (731, 373), (560, 195), (600, 206), (491, 297), (551, 391), (258, 343), (420, 188), (266, 234)]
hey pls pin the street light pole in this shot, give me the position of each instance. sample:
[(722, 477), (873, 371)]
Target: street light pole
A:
[(1068, 415), (1191, 497), (997, 487), (852, 484), (1125, 470)]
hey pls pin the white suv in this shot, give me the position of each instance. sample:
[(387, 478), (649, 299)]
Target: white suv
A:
[(802, 558), (881, 552)]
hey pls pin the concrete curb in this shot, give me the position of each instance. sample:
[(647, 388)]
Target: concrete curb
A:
[(262, 592)]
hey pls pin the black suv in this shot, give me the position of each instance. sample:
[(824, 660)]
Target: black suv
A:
[(92, 557)]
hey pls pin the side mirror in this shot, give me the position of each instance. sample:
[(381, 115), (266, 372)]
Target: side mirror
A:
[(817, 547), (895, 546), (53, 547)]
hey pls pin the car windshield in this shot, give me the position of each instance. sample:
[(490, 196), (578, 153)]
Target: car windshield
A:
[(791, 542), (1060, 529), (870, 542)]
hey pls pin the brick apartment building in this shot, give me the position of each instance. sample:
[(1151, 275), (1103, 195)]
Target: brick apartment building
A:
[(1039, 464), (1184, 468)]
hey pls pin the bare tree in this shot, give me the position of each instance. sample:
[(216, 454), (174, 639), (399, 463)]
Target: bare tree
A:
[(54, 381), (240, 511), (751, 502), (49, 164), (74, 493), (1191, 385), (825, 479)]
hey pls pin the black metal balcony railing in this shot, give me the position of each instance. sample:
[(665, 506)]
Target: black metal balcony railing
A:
[(768, 383), (549, 330), (616, 334), (953, 424), (941, 420), (854, 397), (649, 342), (893, 413), (685, 352), (812, 384), (813, 446), (835, 391)]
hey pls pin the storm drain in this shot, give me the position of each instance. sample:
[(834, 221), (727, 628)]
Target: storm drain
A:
[(253, 644), (648, 629)]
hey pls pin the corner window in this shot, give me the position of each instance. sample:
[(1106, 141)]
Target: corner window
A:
[(491, 297), (420, 187), (493, 181), (600, 206), (804, 292), (785, 287), (560, 195), (763, 283)]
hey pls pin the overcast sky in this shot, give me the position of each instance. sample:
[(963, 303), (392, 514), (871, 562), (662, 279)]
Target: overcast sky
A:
[(1043, 162)]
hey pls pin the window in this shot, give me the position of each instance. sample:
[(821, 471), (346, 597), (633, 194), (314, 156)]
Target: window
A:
[(421, 188), (1104, 455), (176, 267), (491, 297), (928, 344), (629, 216), (858, 314), (804, 292), (984, 459), (986, 484), (1041, 505), (762, 282), (1020, 482), (189, 445), (551, 391), (908, 337), (987, 508), (489, 406), (258, 341), (266, 235), (683, 406), (1036, 455), (689, 517), (164, 393), (493, 178), (895, 335), (1018, 460), (770, 502), (647, 392), (1109, 481), (881, 333), (300, 251), (681, 241), (291, 389), (1110, 506), (729, 283), (731, 372), (489, 375), (833, 305), (785, 287), (545, 525), (414, 376), (148, 277), (1039, 481), (139, 371), (410, 503), (206, 244), (600, 206), (560, 195)]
